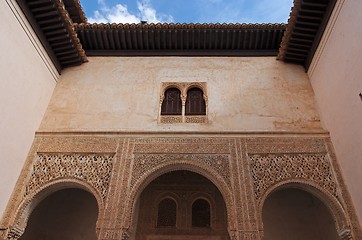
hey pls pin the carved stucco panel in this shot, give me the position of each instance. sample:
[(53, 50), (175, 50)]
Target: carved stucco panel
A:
[(270, 169), (95, 169), (170, 119), (180, 140), (184, 147), (268, 145), (146, 162)]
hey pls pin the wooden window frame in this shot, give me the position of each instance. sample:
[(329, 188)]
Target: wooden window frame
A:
[(172, 105), (192, 106)]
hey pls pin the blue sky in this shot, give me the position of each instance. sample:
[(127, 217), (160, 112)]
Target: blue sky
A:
[(209, 11)]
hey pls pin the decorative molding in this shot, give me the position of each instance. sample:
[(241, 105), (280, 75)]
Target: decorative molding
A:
[(196, 119), (181, 146), (78, 144), (170, 119), (264, 145), (183, 140)]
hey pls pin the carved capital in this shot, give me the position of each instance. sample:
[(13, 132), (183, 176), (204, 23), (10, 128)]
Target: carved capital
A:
[(125, 235), (346, 234), (15, 233), (183, 99), (244, 235)]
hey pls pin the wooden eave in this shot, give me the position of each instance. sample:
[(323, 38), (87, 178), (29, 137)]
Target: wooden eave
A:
[(75, 11), (307, 22), (62, 27), (54, 27), (169, 39)]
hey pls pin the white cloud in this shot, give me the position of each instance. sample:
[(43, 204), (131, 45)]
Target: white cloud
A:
[(245, 11), (272, 11), (121, 14), (147, 12)]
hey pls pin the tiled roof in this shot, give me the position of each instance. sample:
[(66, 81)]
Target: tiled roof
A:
[(75, 11), (306, 25), (63, 29), (181, 39), (54, 27)]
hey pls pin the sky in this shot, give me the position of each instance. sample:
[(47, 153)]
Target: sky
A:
[(187, 11)]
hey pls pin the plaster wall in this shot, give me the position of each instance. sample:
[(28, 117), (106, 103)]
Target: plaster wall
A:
[(27, 79), (123, 94), (336, 79)]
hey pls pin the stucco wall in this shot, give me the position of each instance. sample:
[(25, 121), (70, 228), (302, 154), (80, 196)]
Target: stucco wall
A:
[(122, 94), (336, 79), (27, 82)]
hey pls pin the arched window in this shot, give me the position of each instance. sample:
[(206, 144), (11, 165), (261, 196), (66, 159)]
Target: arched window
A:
[(201, 213), (166, 216), (195, 103), (171, 104)]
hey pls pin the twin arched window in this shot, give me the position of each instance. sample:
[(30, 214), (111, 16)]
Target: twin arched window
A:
[(167, 211), (172, 102)]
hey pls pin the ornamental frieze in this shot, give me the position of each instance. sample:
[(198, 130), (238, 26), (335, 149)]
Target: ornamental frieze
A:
[(267, 145), (191, 148)]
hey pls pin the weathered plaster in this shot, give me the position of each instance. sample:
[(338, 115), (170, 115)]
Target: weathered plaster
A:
[(123, 94)]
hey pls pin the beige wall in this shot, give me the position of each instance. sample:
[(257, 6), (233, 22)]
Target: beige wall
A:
[(122, 94), (336, 78), (27, 81)]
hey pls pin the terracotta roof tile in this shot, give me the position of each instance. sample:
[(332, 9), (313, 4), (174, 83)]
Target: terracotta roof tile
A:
[(180, 39), (305, 28)]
